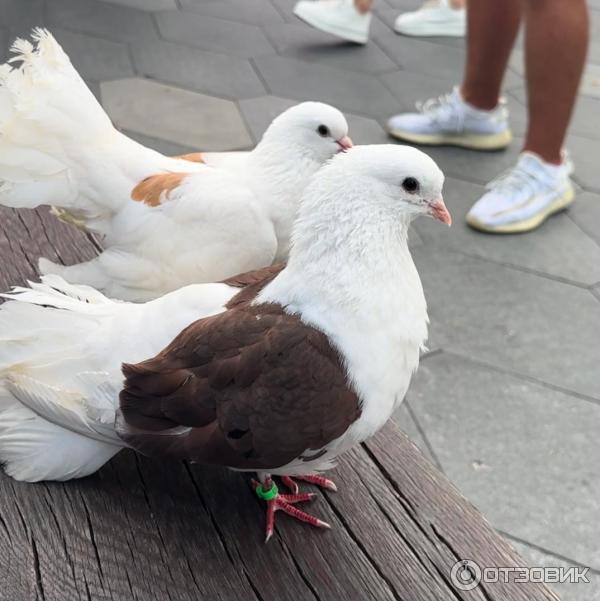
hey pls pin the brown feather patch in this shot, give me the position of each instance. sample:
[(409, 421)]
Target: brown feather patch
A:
[(153, 189), (251, 388), (194, 157)]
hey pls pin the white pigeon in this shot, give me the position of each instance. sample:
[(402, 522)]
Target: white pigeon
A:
[(276, 371), (163, 222)]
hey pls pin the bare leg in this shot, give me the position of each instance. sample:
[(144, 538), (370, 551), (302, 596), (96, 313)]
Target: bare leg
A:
[(458, 3), (492, 27), (363, 6), (556, 44)]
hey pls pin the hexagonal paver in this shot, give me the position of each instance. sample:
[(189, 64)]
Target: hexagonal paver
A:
[(259, 112), (521, 322), (258, 12), (148, 5), (216, 35), (174, 115), (296, 40), (95, 58), (209, 72), (506, 443), (559, 247), (357, 92), (108, 20)]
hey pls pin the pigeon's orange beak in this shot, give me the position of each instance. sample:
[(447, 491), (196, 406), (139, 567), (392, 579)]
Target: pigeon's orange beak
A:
[(438, 210), (345, 143)]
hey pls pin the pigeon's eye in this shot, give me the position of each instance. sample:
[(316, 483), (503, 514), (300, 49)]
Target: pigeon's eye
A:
[(410, 184), (323, 131)]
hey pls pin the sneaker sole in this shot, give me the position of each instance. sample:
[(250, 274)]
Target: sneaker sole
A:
[(340, 32), (472, 141), (519, 227), (425, 31)]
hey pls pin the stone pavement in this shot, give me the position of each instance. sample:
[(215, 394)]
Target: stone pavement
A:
[(507, 404)]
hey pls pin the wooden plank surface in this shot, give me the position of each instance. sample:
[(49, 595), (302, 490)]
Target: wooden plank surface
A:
[(143, 531)]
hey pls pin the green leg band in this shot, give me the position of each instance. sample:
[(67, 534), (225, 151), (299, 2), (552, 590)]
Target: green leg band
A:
[(267, 495)]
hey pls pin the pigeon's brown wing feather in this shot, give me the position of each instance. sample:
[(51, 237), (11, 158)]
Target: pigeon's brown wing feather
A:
[(251, 388)]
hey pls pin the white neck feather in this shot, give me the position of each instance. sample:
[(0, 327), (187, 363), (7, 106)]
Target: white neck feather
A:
[(351, 276), (279, 173)]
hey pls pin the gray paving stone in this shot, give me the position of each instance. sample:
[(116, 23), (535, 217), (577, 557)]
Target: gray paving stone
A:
[(209, 72), (507, 443), (107, 20), (426, 57), (95, 58), (358, 92), (521, 322), (308, 44), (586, 214), (259, 112), (470, 165), (408, 425), (284, 8), (175, 115), (567, 591), (584, 152), (213, 34), (21, 16), (167, 148), (148, 5), (258, 12), (585, 121), (590, 85), (558, 248), (4, 43)]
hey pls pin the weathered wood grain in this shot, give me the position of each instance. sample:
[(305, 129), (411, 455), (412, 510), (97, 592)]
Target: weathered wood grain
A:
[(142, 531)]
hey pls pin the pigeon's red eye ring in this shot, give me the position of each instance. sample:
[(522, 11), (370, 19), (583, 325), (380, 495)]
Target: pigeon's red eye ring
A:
[(411, 185), (323, 131)]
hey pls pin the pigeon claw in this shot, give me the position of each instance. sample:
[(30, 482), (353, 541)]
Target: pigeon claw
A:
[(315, 479), (285, 503)]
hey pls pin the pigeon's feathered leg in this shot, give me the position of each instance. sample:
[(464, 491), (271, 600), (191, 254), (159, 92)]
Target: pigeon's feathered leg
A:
[(267, 490)]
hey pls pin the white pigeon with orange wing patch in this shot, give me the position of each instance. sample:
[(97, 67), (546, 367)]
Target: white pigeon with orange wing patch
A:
[(164, 222)]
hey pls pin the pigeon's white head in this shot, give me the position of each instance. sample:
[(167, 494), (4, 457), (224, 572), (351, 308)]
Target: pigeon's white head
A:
[(361, 203), (401, 180), (312, 129)]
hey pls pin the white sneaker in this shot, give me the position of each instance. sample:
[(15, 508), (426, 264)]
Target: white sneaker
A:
[(450, 120), (523, 197), (338, 17), (434, 18)]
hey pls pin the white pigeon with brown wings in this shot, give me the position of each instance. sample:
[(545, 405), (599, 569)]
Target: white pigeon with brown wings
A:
[(277, 371), (163, 222)]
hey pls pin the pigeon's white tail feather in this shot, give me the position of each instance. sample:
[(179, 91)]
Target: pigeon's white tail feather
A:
[(57, 145), (34, 449), (56, 412)]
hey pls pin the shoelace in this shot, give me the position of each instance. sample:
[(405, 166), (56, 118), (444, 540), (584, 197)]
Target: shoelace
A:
[(447, 106), (519, 177), (443, 108)]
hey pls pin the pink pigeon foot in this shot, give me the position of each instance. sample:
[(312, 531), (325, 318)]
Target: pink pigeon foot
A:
[(269, 493)]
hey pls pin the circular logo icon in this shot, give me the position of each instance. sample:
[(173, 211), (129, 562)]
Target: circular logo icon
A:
[(465, 575)]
